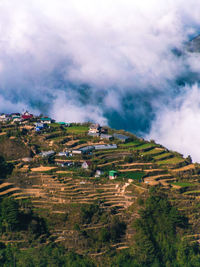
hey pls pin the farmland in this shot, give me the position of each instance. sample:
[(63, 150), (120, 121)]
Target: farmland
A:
[(62, 192)]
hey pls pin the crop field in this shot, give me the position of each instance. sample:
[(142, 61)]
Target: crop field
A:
[(132, 175), (133, 143), (163, 155), (144, 146), (183, 184), (77, 129), (171, 161), (154, 151)]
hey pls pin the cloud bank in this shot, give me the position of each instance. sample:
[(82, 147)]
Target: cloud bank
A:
[(116, 62)]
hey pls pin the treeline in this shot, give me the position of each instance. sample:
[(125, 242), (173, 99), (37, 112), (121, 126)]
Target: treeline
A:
[(15, 217), (51, 255), (159, 238)]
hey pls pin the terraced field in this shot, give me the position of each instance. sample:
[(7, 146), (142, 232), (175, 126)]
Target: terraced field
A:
[(139, 165), (51, 190)]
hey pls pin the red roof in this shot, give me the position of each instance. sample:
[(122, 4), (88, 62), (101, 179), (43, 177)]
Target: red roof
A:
[(26, 117)]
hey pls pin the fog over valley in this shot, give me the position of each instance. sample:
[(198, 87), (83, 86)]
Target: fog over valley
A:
[(125, 63)]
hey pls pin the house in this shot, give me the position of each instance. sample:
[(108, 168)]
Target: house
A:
[(121, 137), (107, 146), (61, 154), (106, 136), (86, 149), (98, 173), (83, 150), (15, 115), (95, 128), (27, 116), (86, 164), (64, 124), (76, 152), (94, 134), (17, 118), (4, 117), (112, 175), (46, 120), (39, 126), (47, 153), (64, 163)]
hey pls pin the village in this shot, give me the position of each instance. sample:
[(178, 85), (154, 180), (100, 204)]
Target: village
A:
[(40, 124), (62, 168), (75, 145)]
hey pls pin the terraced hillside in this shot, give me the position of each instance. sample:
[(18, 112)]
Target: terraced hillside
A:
[(60, 189)]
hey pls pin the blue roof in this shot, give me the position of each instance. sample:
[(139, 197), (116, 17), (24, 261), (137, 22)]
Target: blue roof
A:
[(121, 136), (108, 146)]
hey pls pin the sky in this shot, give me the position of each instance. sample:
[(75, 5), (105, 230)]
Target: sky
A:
[(122, 63)]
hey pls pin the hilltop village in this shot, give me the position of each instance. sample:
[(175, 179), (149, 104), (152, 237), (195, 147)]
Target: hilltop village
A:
[(68, 144), (87, 182)]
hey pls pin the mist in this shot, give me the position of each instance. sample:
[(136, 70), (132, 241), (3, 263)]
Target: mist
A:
[(120, 63)]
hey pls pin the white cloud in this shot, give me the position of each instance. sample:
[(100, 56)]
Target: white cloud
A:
[(66, 109), (177, 126), (118, 48), (9, 107)]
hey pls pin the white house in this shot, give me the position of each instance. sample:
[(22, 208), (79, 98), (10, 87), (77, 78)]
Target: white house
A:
[(94, 128), (86, 164)]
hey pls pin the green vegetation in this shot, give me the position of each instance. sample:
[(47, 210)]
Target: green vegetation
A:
[(132, 175), (163, 155), (12, 149), (183, 184), (50, 255), (5, 168), (194, 192), (145, 146), (56, 217), (172, 161), (157, 238), (153, 151), (77, 129), (132, 143)]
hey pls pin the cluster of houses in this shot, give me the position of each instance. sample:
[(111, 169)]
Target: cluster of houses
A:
[(26, 116), (40, 122), (96, 130), (80, 151), (16, 117)]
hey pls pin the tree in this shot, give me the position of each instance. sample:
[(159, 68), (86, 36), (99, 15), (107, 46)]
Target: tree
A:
[(10, 214), (156, 235), (5, 168), (189, 159)]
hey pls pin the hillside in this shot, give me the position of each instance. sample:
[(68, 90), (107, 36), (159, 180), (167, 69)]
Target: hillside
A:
[(88, 190)]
